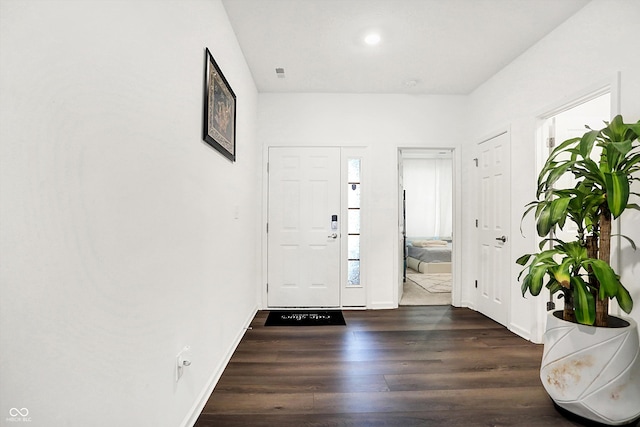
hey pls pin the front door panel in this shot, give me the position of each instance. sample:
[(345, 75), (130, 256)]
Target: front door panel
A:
[(303, 248)]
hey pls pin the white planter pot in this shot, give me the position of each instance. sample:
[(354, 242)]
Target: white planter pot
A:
[(591, 371)]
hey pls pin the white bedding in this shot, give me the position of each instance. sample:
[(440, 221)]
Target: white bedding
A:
[(429, 250)]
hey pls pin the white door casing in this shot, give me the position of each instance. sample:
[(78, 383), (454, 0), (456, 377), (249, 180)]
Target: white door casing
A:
[(303, 259), (401, 229), (494, 225)]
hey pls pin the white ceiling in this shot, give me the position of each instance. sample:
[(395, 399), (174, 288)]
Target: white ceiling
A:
[(428, 46)]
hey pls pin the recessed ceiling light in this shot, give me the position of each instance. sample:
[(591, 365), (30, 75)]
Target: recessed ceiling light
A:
[(372, 39)]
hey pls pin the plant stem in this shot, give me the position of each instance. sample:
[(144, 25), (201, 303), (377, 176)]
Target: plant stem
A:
[(568, 312), (592, 252), (604, 254)]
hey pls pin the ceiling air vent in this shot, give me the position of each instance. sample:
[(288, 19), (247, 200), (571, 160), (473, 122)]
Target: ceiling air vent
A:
[(280, 73)]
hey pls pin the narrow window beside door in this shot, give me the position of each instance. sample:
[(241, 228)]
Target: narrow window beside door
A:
[(353, 222)]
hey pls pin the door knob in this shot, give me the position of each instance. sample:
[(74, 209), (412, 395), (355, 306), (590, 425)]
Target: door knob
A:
[(503, 239), (333, 236)]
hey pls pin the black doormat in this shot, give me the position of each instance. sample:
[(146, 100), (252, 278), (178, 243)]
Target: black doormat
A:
[(305, 318)]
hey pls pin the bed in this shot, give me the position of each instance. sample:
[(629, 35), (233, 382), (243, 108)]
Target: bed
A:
[(429, 255)]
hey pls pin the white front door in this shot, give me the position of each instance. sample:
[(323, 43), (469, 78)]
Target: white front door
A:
[(494, 223), (303, 258)]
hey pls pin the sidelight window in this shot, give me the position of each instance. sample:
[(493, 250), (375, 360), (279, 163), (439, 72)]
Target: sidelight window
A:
[(353, 222)]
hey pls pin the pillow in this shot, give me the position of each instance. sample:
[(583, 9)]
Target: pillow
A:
[(428, 243)]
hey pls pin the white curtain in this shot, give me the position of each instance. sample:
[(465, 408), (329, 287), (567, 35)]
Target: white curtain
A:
[(428, 184)]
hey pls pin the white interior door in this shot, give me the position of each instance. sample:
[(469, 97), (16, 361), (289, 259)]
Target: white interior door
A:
[(303, 258), (494, 225)]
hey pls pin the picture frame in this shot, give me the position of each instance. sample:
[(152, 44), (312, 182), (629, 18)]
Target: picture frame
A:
[(219, 127)]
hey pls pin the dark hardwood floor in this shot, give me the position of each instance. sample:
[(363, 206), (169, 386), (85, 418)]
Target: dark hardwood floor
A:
[(414, 366)]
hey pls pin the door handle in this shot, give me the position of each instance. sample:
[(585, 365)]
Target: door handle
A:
[(333, 236), (503, 239)]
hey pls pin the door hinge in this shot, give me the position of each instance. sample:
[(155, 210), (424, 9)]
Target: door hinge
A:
[(476, 161), (551, 142), (267, 227), (476, 223), (476, 284)]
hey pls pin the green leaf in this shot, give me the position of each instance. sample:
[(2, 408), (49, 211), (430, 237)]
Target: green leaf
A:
[(545, 223), (608, 279), (622, 147), (575, 251), (624, 299), (544, 242), (546, 256), (593, 203), (630, 163), (561, 148), (631, 242), (525, 284), (616, 128), (591, 172), (561, 273), (610, 160), (633, 206), (537, 275), (558, 210), (554, 287), (584, 302), (532, 206), (523, 259), (617, 188), (557, 172), (538, 268), (635, 127), (586, 142)]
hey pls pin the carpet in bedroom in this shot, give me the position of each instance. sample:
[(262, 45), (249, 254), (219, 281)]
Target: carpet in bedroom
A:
[(434, 283), (416, 294)]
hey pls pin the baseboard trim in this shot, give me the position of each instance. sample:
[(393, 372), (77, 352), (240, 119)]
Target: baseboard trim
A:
[(382, 305), (197, 408), (518, 330), (468, 304)]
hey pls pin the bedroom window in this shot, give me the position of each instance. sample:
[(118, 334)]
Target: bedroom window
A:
[(353, 222)]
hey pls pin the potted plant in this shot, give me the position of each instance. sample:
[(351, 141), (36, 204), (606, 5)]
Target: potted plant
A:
[(591, 360)]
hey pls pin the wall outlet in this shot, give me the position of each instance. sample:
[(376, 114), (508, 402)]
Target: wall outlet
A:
[(183, 361)]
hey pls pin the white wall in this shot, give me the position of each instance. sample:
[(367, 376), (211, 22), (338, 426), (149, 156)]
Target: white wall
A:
[(382, 123), (119, 239), (587, 50)]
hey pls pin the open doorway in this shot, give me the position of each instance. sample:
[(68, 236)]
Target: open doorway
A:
[(427, 213), (565, 123)]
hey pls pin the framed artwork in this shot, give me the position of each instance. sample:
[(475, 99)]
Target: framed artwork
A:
[(219, 128)]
